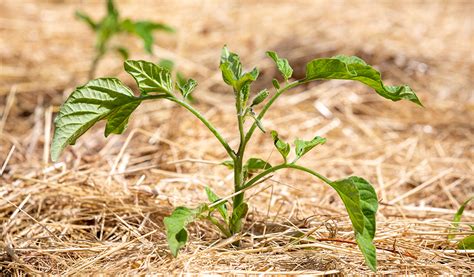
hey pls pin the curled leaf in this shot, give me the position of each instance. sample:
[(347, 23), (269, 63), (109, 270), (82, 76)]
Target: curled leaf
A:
[(282, 65), (304, 146), (282, 147), (354, 68)]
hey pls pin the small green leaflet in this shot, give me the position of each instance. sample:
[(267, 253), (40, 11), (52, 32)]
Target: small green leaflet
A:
[(150, 77), (282, 147), (237, 214), (187, 88), (252, 114), (458, 215), (354, 68), (304, 146), (84, 17), (176, 223), (361, 203), (256, 164), (144, 29), (212, 197), (466, 243), (104, 98), (259, 98), (275, 83), (282, 65), (228, 163), (231, 68)]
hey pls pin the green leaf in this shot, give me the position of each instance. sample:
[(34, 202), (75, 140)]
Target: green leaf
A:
[(275, 83), (145, 29), (230, 66), (237, 214), (256, 164), (176, 223), (221, 207), (104, 98), (187, 88), (282, 147), (458, 215), (354, 68), (150, 77), (304, 146), (229, 164), (361, 203), (232, 75), (466, 243), (84, 17), (260, 97), (282, 65)]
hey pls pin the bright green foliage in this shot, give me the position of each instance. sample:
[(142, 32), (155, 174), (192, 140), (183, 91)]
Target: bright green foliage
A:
[(187, 88), (176, 223), (354, 68), (108, 99), (261, 96), (212, 197), (104, 98), (282, 65), (361, 203), (281, 146), (150, 77), (467, 242), (112, 25), (304, 146)]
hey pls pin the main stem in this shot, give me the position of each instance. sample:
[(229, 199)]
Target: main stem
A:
[(236, 224)]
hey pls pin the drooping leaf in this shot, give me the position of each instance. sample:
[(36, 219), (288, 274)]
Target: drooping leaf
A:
[(104, 98), (256, 164), (354, 68), (361, 203), (149, 76), (187, 88), (84, 17), (176, 223), (304, 146), (458, 215), (282, 147), (212, 197), (282, 65), (237, 214), (466, 243), (259, 98)]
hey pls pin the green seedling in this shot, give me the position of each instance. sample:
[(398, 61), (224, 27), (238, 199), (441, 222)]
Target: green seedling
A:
[(110, 100), (111, 25), (466, 242)]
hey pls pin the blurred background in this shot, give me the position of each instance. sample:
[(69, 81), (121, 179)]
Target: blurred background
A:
[(419, 159)]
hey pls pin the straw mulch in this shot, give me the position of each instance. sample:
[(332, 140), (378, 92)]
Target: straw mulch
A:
[(101, 208)]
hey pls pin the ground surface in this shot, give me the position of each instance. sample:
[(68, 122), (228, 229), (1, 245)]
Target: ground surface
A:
[(101, 208)]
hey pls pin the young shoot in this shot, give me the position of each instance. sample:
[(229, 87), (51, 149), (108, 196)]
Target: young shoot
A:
[(110, 100), (111, 26)]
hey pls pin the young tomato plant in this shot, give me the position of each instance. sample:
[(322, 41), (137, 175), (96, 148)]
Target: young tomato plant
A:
[(111, 25), (109, 99)]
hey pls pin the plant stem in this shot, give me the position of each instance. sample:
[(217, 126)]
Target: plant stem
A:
[(220, 226), (255, 179), (238, 166), (94, 65), (266, 107), (208, 124)]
